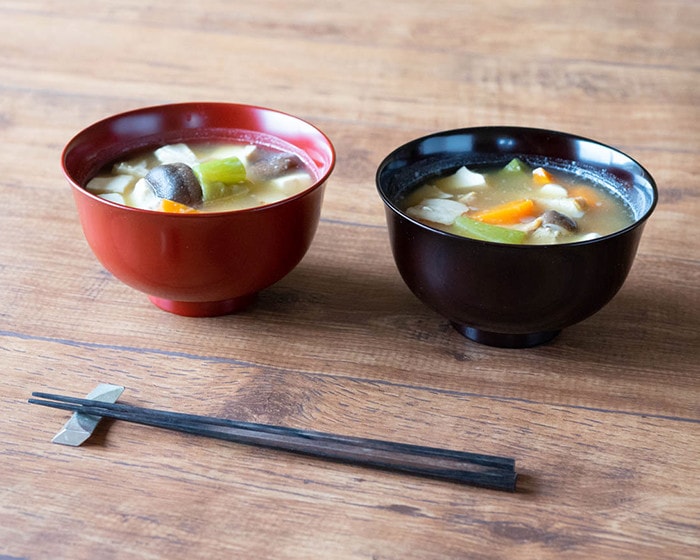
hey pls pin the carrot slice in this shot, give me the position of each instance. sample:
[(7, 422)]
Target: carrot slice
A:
[(508, 213), (542, 177), (175, 207)]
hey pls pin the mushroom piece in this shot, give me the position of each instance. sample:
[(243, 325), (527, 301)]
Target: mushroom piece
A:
[(274, 166), (176, 182), (557, 221), (529, 227)]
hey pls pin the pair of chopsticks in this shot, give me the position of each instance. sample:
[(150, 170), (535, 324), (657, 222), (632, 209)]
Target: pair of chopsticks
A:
[(475, 469)]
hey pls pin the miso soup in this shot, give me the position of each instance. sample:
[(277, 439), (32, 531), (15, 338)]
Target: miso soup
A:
[(203, 177), (519, 204)]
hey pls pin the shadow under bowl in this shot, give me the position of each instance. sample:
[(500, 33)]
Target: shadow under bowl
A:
[(200, 264), (504, 295)]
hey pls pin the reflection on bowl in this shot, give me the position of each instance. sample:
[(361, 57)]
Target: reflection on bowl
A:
[(198, 264), (511, 295)]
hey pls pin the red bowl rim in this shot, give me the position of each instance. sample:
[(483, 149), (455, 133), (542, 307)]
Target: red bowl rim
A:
[(200, 105)]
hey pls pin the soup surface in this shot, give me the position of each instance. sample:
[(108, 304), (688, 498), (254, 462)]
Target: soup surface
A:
[(203, 177), (518, 204)]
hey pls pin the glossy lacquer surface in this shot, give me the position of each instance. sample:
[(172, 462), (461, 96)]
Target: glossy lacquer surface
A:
[(511, 295), (205, 263)]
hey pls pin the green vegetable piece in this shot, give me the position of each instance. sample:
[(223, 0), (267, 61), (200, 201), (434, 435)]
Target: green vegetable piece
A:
[(516, 166), (469, 227), (216, 174)]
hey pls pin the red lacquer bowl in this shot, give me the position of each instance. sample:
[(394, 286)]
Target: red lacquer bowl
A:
[(201, 264)]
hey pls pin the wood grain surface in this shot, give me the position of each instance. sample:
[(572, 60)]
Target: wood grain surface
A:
[(604, 422)]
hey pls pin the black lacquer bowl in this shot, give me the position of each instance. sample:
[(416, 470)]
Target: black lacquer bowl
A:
[(511, 295)]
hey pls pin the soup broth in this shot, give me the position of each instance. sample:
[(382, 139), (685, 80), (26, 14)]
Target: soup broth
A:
[(518, 204), (203, 177)]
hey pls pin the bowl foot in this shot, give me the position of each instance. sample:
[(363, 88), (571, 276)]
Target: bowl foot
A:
[(505, 340), (204, 308)]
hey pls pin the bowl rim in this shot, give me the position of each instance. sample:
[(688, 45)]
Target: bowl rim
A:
[(190, 105), (521, 129)]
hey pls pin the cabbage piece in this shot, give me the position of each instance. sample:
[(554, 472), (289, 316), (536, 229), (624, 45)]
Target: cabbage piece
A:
[(438, 210)]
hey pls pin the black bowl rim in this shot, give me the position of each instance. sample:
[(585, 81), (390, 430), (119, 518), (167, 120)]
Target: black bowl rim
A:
[(522, 129)]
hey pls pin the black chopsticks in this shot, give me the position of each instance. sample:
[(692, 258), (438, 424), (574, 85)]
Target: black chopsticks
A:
[(475, 469)]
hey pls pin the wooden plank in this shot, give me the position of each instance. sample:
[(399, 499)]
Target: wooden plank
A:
[(593, 482), (604, 422)]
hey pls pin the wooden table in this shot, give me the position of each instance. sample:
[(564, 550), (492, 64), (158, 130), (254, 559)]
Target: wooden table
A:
[(604, 422)]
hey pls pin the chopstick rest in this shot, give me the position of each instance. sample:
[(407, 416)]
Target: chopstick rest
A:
[(81, 425), (488, 471)]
